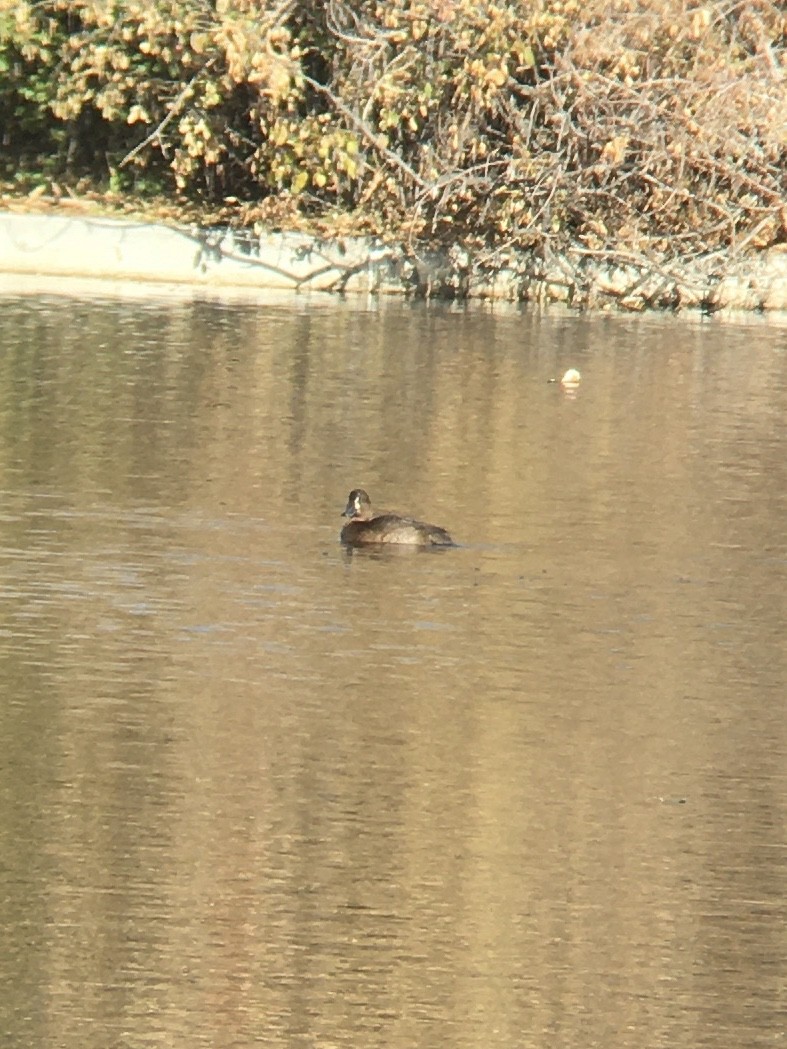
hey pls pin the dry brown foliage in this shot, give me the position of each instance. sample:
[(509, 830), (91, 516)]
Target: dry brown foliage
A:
[(640, 131)]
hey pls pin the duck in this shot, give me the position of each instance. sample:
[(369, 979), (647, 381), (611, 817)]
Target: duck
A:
[(365, 527)]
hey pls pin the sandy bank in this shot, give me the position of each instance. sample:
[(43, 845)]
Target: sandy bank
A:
[(63, 244)]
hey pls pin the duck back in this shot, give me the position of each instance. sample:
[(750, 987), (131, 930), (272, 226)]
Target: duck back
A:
[(391, 528)]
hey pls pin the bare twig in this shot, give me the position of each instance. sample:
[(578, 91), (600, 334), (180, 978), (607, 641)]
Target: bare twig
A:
[(369, 134), (174, 111)]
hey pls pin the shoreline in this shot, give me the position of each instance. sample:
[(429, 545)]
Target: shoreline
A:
[(62, 243)]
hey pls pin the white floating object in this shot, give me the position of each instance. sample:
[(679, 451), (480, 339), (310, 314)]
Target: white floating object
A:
[(571, 378)]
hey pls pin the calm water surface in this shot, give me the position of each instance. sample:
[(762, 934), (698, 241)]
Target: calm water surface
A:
[(255, 790)]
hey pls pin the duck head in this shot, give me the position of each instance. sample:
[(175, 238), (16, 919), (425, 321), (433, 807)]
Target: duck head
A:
[(359, 505)]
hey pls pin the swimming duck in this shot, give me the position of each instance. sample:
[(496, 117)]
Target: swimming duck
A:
[(366, 527)]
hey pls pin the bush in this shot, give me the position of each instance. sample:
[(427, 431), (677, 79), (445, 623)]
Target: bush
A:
[(622, 129)]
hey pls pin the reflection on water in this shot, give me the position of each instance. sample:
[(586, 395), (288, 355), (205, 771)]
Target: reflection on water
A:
[(260, 790)]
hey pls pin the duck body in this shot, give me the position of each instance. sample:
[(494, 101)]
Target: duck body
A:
[(365, 527)]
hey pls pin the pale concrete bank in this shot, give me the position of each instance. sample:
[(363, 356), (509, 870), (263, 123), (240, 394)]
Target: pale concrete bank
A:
[(62, 244)]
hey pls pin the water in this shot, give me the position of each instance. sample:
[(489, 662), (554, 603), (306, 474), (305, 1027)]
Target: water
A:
[(257, 790)]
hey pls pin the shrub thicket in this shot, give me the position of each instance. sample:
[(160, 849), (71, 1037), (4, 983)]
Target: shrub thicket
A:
[(621, 127)]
